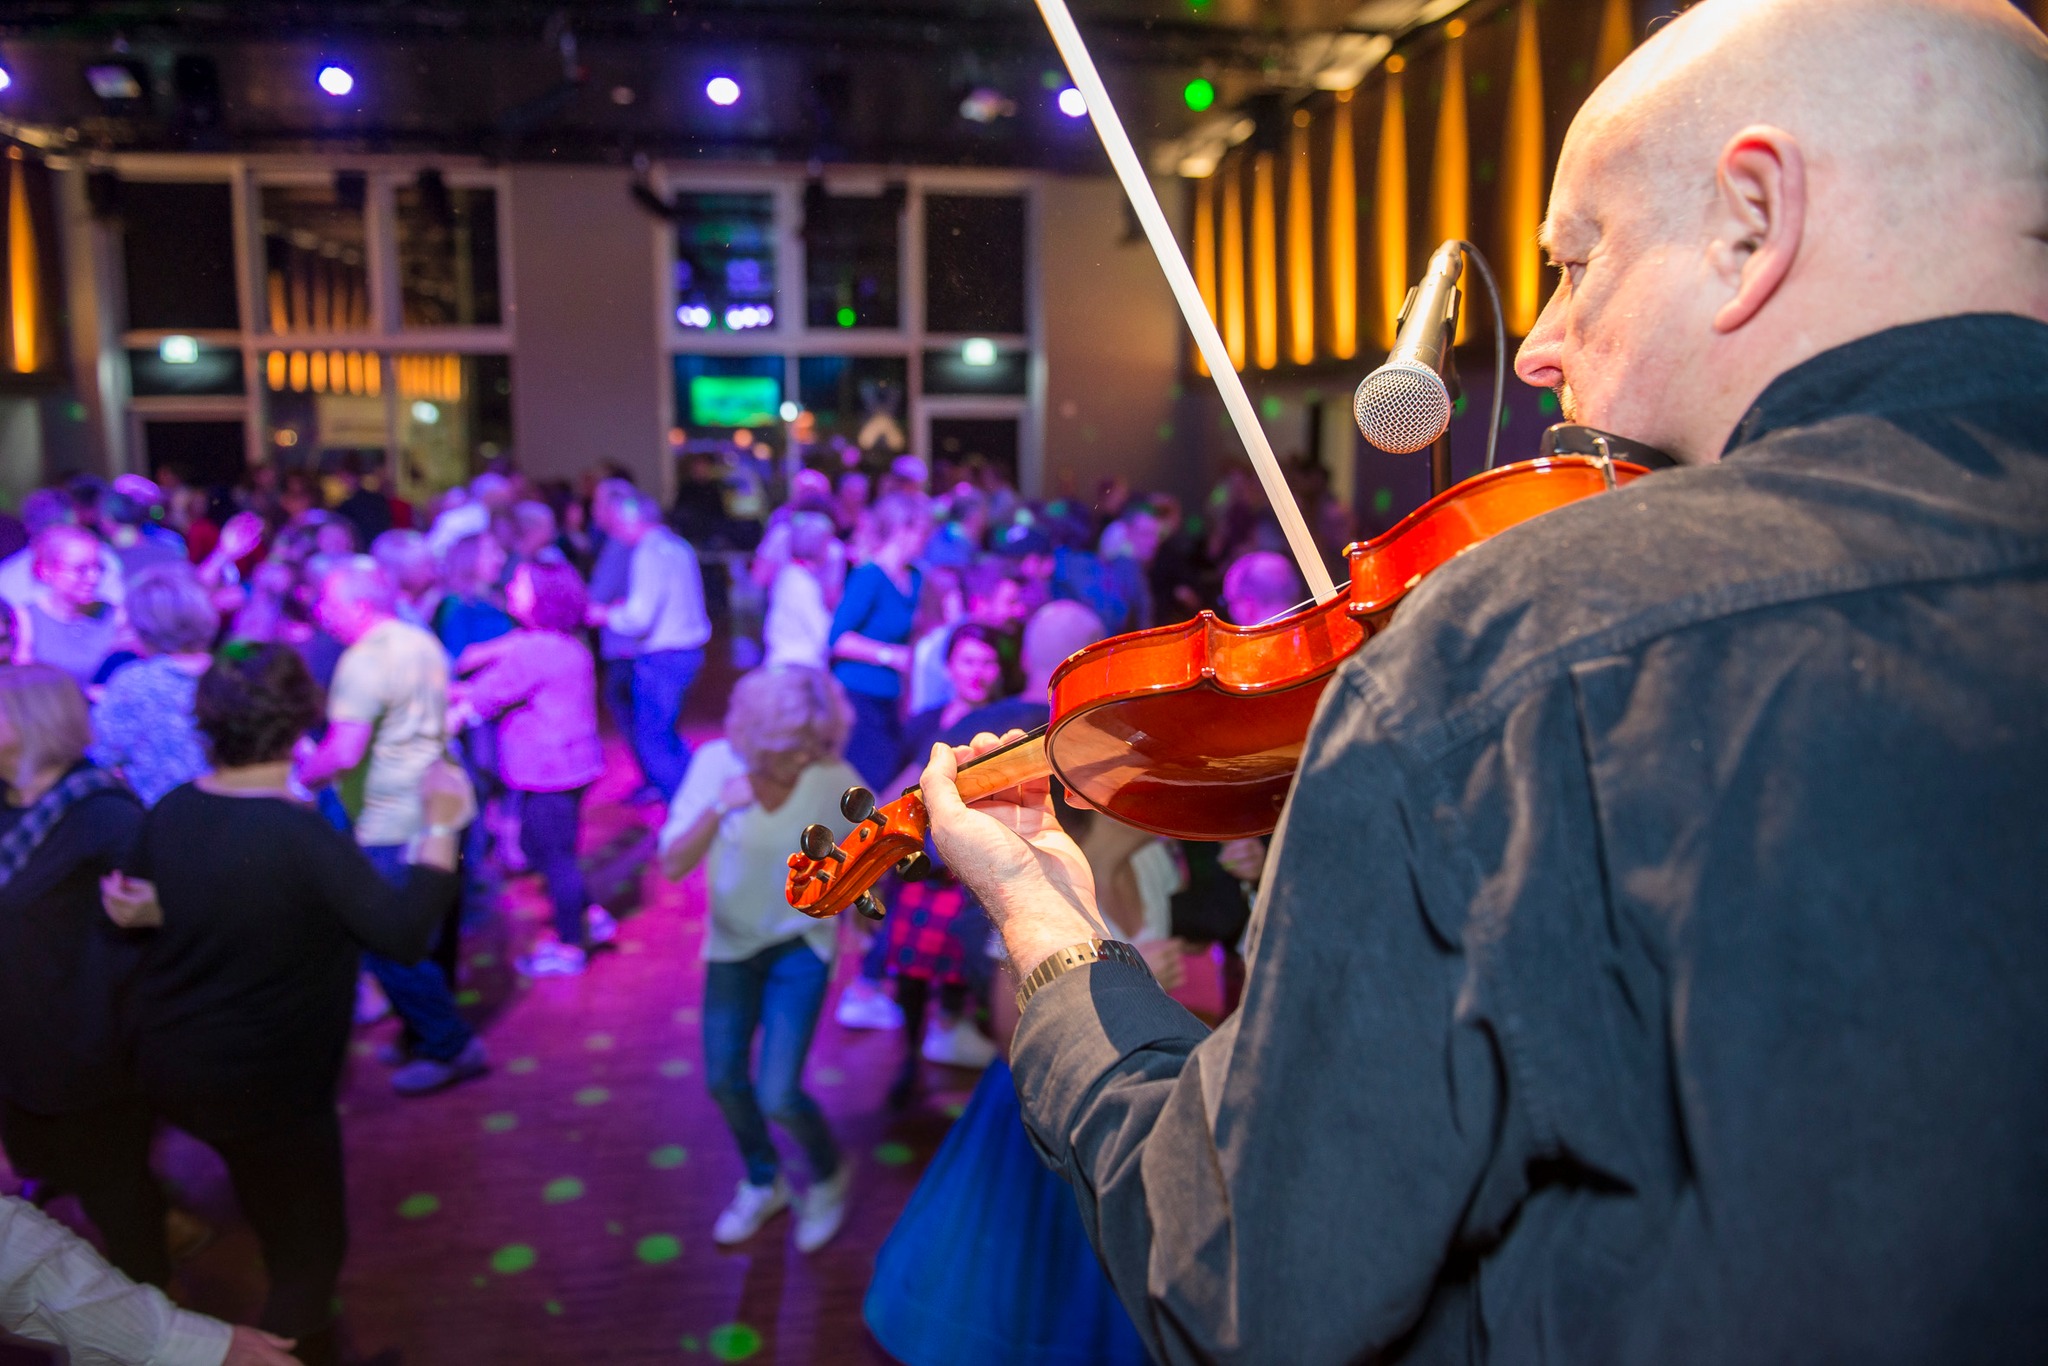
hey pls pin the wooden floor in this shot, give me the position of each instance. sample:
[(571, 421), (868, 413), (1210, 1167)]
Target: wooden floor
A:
[(559, 1210)]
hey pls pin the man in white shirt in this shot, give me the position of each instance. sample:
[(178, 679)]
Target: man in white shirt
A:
[(40, 511), (56, 1289), (664, 612), (385, 728)]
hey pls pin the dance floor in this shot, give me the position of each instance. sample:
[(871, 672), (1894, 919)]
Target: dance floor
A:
[(559, 1210)]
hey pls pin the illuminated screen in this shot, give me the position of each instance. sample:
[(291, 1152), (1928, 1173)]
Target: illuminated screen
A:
[(734, 400)]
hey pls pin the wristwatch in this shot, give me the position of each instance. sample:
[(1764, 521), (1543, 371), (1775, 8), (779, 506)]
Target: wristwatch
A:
[(1079, 955)]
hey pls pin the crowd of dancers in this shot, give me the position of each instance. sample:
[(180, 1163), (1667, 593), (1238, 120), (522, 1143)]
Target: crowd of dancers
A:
[(269, 751)]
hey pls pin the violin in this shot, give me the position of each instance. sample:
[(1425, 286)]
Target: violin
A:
[(1194, 731)]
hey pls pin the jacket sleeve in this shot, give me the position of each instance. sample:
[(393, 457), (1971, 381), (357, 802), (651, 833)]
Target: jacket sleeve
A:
[(398, 921), (1287, 1187), (856, 606)]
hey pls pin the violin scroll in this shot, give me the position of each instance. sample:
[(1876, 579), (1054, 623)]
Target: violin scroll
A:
[(826, 878)]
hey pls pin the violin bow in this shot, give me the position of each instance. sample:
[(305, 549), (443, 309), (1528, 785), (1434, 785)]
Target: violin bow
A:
[(1131, 172)]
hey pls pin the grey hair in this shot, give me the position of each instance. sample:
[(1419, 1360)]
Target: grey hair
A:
[(787, 707), (171, 611)]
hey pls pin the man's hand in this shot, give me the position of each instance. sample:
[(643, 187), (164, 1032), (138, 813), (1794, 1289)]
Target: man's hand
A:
[(1243, 859), (1168, 959), (1011, 852), (738, 792), (250, 1347), (130, 902), (240, 535), (446, 797)]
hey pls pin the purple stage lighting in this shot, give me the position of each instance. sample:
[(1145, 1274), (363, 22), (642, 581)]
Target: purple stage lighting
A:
[(722, 91), (1072, 104), (336, 80)]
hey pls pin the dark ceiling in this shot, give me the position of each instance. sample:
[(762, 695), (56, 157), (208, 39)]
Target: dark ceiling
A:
[(610, 80)]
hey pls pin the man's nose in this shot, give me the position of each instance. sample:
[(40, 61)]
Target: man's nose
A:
[(1540, 362)]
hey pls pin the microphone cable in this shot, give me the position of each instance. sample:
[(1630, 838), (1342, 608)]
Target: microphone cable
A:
[(1500, 347)]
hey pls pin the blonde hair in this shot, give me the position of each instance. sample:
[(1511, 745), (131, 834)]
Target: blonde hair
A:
[(787, 707), (47, 711)]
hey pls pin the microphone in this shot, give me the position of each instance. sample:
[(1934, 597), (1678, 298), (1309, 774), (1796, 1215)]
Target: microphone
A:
[(1405, 405)]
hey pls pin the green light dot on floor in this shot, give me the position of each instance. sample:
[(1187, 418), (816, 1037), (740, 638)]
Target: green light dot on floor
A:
[(689, 1342), (468, 996), (675, 1067), (671, 1155), (952, 1109), (552, 1307), (733, 1341), (598, 1043), (479, 1281), (894, 1154), (593, 1095), (1382, 500), (521, 1066), (847, 317), (612, 1227), (562, 1190), (512, 1259), (503, 1122), (657, 1248), (418, 1206), (482, 960)]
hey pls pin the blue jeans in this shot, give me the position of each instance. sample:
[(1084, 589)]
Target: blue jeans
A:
[(779, 991), (419, 993), (661, 680), (615, 686), (549, 823)]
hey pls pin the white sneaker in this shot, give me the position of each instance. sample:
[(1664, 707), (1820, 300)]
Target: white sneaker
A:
[(822, 1209), (599, 926), (553, 958), (863, 1006), (751, 1207), (958, 1045)]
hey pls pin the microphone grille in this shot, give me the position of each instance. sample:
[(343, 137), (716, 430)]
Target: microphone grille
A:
[(1402, 407)]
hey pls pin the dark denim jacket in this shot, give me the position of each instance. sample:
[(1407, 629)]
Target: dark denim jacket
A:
[(1653, 961)]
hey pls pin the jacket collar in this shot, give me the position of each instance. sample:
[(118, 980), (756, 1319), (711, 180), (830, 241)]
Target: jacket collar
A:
[(1942, 363)]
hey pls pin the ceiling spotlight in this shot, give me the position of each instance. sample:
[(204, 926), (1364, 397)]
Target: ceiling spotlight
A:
[(978, 352), (1072, 104), (6, 78), (722, 91), (178, 350), (336, 80), (425, 413), (789, 411)]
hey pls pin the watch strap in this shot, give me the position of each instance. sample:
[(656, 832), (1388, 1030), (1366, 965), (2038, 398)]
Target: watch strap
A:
[(1075, 956)]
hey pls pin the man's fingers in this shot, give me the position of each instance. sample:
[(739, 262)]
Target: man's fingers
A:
[(941, 795)]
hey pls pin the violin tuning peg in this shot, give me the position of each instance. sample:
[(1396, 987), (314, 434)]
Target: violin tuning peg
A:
[(857, 804), (913, 867), (817, 841), (869, 906)]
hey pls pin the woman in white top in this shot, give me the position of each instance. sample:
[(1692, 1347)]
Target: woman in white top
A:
[(742, 807), (800, 601)]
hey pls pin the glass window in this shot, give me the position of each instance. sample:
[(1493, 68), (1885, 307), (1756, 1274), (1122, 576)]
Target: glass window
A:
[(974, 263), (447, 254), (977, 367), (725, 262), (725, 393), (850, 259), (320, 405), (178, 248), (183, 366), (454, 414), (315, 276), (856, 398)]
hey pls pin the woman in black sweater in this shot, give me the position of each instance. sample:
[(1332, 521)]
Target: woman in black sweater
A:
[(70, 1113), (241, 1011)]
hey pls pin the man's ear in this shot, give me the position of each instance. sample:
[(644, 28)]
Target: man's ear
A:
[(1760, 182)]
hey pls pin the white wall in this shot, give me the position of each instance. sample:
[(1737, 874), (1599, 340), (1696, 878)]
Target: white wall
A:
[(587, 380), (1113, 340)]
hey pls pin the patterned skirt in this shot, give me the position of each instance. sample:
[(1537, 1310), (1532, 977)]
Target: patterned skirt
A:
[(936, 931)]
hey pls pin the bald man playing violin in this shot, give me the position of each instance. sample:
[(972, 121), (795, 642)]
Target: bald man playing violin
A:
[(1652, 962)]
